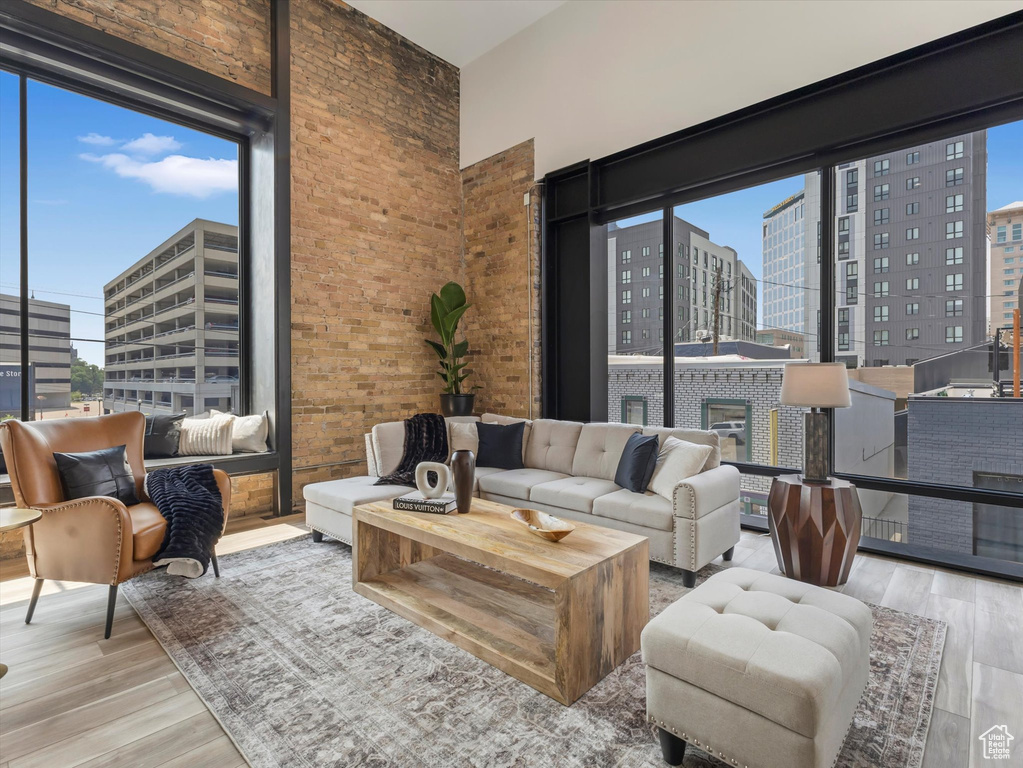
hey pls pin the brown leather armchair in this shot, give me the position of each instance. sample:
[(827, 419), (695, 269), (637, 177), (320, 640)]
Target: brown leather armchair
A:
[(96, 539)]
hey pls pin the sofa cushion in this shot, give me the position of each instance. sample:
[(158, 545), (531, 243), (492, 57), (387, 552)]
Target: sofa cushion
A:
[(575, 493), (698, 436), (645, 509), (346, 494), (552, 445), (493, 418), (599, 448), (516, 483), (480, 472), (678, 460), (777, 647), (463, 437), (636, 466), (500, 445), (388, 446)]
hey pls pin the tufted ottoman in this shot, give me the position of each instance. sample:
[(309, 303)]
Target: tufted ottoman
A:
[(758, 670)]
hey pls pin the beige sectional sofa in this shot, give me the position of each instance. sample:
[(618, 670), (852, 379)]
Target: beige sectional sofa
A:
[(569, 471)]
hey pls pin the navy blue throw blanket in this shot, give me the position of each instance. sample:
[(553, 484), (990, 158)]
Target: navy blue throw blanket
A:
[(426, 439), (189, 499)]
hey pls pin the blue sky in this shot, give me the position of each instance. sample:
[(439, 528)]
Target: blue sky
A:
[(106, 186)]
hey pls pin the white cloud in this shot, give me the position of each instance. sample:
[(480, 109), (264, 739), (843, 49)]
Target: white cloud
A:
[(175, 174), (97, 139), (148, 144)]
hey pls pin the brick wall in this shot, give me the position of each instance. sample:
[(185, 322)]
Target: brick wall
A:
[(502, 279), (252, 495), (227, 38), (376, 199), (949, 439)]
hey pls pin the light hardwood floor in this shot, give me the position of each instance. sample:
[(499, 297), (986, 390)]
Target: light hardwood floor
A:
[(73, 699)]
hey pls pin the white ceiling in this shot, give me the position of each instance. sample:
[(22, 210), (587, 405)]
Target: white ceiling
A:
[(456, 30)]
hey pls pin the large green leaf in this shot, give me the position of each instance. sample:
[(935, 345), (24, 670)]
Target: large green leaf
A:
[(461, 348), (437, 315), (452, 296), (450, 321), (437, 312), (438, 348)]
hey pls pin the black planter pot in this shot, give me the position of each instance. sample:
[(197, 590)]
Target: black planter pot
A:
[(456, 405)]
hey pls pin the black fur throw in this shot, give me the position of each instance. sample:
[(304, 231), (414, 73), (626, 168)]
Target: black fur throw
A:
[(426, 439), (189, 499)]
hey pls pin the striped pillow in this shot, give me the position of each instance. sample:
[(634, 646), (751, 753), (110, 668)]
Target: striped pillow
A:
[(206, 437)]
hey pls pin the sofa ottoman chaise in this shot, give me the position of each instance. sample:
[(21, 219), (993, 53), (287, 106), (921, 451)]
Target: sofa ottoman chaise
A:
[(758, 670), (568, 471)]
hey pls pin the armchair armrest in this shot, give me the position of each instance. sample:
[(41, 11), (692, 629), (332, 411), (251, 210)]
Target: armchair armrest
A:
[(86, 539), (701, 494), (371, 459)]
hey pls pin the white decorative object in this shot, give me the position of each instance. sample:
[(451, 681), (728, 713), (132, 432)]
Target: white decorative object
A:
[(248, 433), (423, 481)]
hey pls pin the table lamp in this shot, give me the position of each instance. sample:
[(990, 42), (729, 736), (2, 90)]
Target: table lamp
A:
[(815, 386)]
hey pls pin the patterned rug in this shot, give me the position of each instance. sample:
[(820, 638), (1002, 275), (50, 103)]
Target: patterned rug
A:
[(301, 671)]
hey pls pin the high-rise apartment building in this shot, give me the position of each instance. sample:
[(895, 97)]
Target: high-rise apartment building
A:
[(910, 272), (784, 265), (172, 325), (49, 328), (636, 266), (1005, 230)]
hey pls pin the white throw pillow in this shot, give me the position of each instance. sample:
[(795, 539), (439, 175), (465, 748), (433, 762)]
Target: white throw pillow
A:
[(463, 437), (677, 460), (207, 437), (248, 433)]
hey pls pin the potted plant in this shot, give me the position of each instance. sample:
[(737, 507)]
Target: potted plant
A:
[(446, 309)]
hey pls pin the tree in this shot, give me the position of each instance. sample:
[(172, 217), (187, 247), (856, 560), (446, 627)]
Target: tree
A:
[(86, 378)]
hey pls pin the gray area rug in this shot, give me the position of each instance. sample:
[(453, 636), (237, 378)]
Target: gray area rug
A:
[(301, 671)]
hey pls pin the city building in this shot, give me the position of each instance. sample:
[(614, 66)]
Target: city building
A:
[(780, 338), (1005, 232), (910, 255), (172, 325), (636, 288), (49, 328)]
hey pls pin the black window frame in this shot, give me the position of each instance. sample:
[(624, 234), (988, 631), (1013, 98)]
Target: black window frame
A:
[(48, 47), (779, 138)]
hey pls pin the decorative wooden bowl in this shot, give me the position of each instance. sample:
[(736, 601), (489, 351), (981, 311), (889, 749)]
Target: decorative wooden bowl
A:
[(543, 525)]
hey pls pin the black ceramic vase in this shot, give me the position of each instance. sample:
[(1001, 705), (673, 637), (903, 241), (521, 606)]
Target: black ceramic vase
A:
[(463, 467)]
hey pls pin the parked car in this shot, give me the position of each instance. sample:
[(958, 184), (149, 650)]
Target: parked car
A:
[(221, 379), (734, 429)]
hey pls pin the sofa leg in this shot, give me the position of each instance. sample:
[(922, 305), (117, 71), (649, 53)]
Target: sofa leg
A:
[(688, 579), (111, 604), (673, 749), (727, 556), (317, 537), (36, 589), (215, 564)]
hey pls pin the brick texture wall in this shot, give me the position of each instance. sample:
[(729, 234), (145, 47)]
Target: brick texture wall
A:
[(949, 440), (376, 227), (502, 279), (227, 38)]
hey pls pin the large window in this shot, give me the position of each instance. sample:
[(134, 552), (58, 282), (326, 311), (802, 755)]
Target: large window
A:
[(133, 261), (635, 338), (927, 398)]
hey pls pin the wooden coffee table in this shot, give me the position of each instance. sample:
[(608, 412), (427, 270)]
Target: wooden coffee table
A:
[(559, 616)]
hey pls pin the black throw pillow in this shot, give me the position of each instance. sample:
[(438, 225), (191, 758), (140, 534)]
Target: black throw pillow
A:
[(105, 472), (636, 466), (500, 445), (163, 434)]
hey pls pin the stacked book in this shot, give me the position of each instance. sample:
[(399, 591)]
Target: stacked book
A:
[(416, 502)]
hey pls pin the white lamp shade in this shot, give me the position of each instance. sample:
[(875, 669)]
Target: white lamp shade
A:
[(815, 385)]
